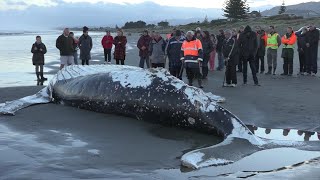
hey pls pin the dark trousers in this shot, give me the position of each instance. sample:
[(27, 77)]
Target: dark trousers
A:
[(107, 55), (176, 72), (193, 73), (287, 66), (85, 61), (302, 61), (258, 60), (231, 74), (240, 64), (118, 61), (157, 65), (205, 68), (252, 64), (311, 59)]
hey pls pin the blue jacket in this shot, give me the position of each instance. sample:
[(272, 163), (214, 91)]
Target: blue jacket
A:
[(174, 52)]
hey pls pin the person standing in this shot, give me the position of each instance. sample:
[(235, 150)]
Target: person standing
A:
[(120, 42), (230, 53), (174, 55), (207, 46), (220, 37), (288, 41), (312, 43), (107, 42), (237, 35), (213, 53), (143, 45), (85, 45), (262, 43), (156, 51), (65, 45), (302, 51), (38, 50), (248, 48), (273, 43), (191, 55), (75, 47)]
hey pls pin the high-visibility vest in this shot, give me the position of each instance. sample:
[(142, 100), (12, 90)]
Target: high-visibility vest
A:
[(289, 41), (191, 48), (272, 41)]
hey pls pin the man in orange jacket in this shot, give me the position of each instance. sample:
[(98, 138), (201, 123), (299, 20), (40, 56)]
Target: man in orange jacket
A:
[(191, 55), (288, 41)]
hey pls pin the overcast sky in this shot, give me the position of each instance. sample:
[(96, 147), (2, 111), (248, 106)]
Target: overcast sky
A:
[(22, 4)]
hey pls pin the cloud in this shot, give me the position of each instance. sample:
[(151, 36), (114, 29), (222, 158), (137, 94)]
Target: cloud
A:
[(22, 4)]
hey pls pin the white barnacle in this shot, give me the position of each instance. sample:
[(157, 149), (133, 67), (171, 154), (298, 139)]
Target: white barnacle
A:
[(191, 120)]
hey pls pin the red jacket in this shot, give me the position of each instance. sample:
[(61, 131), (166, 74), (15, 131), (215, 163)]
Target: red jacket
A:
[(105, 44)]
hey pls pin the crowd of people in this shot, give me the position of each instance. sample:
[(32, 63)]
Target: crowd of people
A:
[(195, 51)]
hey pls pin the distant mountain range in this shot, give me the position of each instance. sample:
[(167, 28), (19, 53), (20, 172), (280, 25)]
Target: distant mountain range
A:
[(309, 9), (103, 14), (110, 14)]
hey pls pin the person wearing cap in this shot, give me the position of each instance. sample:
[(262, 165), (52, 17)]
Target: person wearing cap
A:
[(174, 55), (192, 56), (85, 46), (143, 45), (107, 42), (65, 45)]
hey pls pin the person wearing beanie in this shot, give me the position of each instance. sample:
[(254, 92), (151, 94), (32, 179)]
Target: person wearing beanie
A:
[(85, 46), (38, 50), (174, 55)]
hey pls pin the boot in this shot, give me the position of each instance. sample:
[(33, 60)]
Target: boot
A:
[(269, 71), (274, 71), (190, 82), (200, 83), (38, 76), (43, 78)]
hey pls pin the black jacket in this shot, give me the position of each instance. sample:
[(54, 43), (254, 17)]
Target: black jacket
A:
[(174, 52), (65, 45), (261, 43), (207, 47), (301, 43), (312, 37), (220, 39), (230, 51), (248, 43)]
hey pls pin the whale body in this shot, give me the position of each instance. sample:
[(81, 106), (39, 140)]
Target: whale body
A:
[(152, 95)]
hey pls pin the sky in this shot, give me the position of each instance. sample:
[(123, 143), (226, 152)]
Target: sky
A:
[(22, 4)]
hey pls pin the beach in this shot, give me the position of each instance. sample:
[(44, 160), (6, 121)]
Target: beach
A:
[(53, 141)]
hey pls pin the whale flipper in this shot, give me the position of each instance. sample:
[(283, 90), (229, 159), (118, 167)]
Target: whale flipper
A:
[(10, 107), (229, 151)]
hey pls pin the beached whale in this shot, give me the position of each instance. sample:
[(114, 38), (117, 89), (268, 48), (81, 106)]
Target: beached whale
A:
[(156, 96)]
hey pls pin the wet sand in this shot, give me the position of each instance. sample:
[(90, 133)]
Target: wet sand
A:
[(62, 142)]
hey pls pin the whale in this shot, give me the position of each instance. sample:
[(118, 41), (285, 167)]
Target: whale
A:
[(155, 96)]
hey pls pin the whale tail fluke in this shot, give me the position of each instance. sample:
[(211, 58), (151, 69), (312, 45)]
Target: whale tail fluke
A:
[(229, 151), (10, 107)]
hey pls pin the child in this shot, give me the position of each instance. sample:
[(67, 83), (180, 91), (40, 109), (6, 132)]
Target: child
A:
[(39, 49)]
